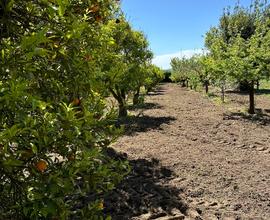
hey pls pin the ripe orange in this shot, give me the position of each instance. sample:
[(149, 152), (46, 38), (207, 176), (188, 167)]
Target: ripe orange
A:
[(88, 57), (94, 8), (76, 102), (98, 18), (41, 166)]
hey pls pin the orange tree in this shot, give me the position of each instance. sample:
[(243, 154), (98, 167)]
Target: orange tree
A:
[(123, 66), (54, 125), (147, 76), (154, 76)]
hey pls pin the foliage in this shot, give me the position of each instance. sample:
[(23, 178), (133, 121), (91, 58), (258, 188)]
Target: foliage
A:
[(54, 123), (154, 75), (238, 47), (190, 71), (125, 67)]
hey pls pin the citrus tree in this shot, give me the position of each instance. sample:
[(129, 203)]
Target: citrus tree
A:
[(191, 71), (180, 70), (154, 76), (123, 69), (54, 123)]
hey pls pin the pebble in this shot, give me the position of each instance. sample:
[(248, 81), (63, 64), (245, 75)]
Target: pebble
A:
[(261, 148)]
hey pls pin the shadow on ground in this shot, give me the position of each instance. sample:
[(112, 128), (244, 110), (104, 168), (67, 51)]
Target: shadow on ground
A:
[(156, 92), (145, 106), (263, 92), (257, 92), (237, 92), (143, 191), (143, 123), (259, 118)]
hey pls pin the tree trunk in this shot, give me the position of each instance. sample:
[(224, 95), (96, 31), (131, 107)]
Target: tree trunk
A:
[(251, 109), (122, 104), (258, 84), (222, 93), (183, 83), (122, 110), (136, 97), (120, 97), (187, 83), (206, 86)]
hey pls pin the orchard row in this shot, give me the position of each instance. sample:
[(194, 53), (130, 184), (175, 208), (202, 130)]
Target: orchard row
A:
[(237, 51), (60, 60)]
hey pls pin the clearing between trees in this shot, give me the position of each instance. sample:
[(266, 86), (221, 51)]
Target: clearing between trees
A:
[(194, 159)]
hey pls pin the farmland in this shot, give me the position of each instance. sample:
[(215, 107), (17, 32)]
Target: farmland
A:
[(92, 128), (219, 160)]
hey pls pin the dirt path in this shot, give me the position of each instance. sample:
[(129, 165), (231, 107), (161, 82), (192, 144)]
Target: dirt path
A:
[(220, 161)]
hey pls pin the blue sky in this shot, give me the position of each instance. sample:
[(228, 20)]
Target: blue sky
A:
[(175, 27)]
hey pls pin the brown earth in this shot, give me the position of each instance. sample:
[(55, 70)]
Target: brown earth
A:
[(194, 159)]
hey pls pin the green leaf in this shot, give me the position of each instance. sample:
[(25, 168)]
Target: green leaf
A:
[(34, 148), (13, 163)]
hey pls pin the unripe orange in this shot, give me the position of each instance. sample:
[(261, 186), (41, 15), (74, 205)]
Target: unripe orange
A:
[(101, 205), (41, 166)]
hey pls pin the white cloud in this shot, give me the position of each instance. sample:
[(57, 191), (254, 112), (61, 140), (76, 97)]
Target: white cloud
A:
[(163, 61)]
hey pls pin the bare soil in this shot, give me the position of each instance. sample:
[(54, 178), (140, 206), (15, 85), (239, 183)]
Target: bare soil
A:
[(194, 159)]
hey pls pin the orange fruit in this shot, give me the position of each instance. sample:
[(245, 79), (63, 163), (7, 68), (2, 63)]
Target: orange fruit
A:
[(101, 205), (88, 57), (76, 102), (94, 8), (98, 18), (41, 166)]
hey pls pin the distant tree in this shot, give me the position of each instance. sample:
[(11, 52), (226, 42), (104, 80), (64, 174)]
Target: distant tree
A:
[(124, 66), (236, 45)]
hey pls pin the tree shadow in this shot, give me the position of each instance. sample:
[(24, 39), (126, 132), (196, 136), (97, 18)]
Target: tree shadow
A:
[(143, 123), (267, 110), (257, 92), (156, 92), (259, 118), (236, 92), (145, 106), (213, 95), (263, 91), (143, 190)]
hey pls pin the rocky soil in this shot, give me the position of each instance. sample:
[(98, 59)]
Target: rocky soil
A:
[(194, 159)]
